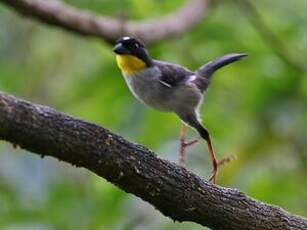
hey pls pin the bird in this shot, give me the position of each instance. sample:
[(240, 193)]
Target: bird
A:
[(170, 87)]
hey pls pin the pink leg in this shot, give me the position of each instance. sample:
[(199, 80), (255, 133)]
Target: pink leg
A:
[(213, 160), (184, 144), (215, 163)]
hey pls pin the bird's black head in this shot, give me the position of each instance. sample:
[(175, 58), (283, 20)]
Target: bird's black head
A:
[(133, 47)]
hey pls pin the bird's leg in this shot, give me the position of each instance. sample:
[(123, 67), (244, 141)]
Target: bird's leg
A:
[(214, 161), (184, 144), (205, 135), (192, 120)]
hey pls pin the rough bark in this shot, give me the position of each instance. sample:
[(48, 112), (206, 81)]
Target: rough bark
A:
[(172, 189), (86, 23)]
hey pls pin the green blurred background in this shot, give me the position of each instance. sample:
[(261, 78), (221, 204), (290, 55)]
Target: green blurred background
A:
[(255, 109)]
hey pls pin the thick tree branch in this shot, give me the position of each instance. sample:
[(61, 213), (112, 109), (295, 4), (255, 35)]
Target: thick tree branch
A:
[(87, 23), (175, 191)]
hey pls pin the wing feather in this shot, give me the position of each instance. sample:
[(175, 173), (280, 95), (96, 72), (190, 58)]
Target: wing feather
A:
[(172, 74)]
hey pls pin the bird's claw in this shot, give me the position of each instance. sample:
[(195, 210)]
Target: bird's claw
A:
[(183, 146), (212, 177), (220, 163)]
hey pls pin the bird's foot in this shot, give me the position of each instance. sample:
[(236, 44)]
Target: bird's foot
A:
[(213, 175), (182, 149), (218, 164), (226, 160)]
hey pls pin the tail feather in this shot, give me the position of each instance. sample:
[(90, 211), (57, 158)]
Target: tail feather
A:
[(205, 72)]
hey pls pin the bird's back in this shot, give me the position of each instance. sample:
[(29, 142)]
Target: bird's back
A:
[(172, 74)]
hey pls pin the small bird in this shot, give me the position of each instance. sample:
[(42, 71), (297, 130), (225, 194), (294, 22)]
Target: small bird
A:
[(170, 87)]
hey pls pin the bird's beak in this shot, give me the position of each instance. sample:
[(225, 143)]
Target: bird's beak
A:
[(120, 49)]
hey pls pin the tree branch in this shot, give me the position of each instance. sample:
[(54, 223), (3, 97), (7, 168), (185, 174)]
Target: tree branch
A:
[(86, 23), (175, 191)]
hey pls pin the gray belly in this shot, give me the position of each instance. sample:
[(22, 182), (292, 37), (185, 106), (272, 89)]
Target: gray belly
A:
[(150, 91)]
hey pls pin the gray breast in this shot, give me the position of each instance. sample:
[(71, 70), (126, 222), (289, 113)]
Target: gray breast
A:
[(146, 87)]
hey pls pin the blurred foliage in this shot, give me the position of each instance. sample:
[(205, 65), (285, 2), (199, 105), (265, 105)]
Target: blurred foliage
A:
[(255, 109)]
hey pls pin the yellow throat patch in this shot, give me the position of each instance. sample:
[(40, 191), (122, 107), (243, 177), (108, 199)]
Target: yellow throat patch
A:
[(129, 64)]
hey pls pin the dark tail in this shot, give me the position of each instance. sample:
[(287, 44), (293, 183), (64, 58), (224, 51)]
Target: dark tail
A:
[(205, 72)]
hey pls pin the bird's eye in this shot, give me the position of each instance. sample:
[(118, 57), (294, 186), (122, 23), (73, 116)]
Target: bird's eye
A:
[(136, 45)]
